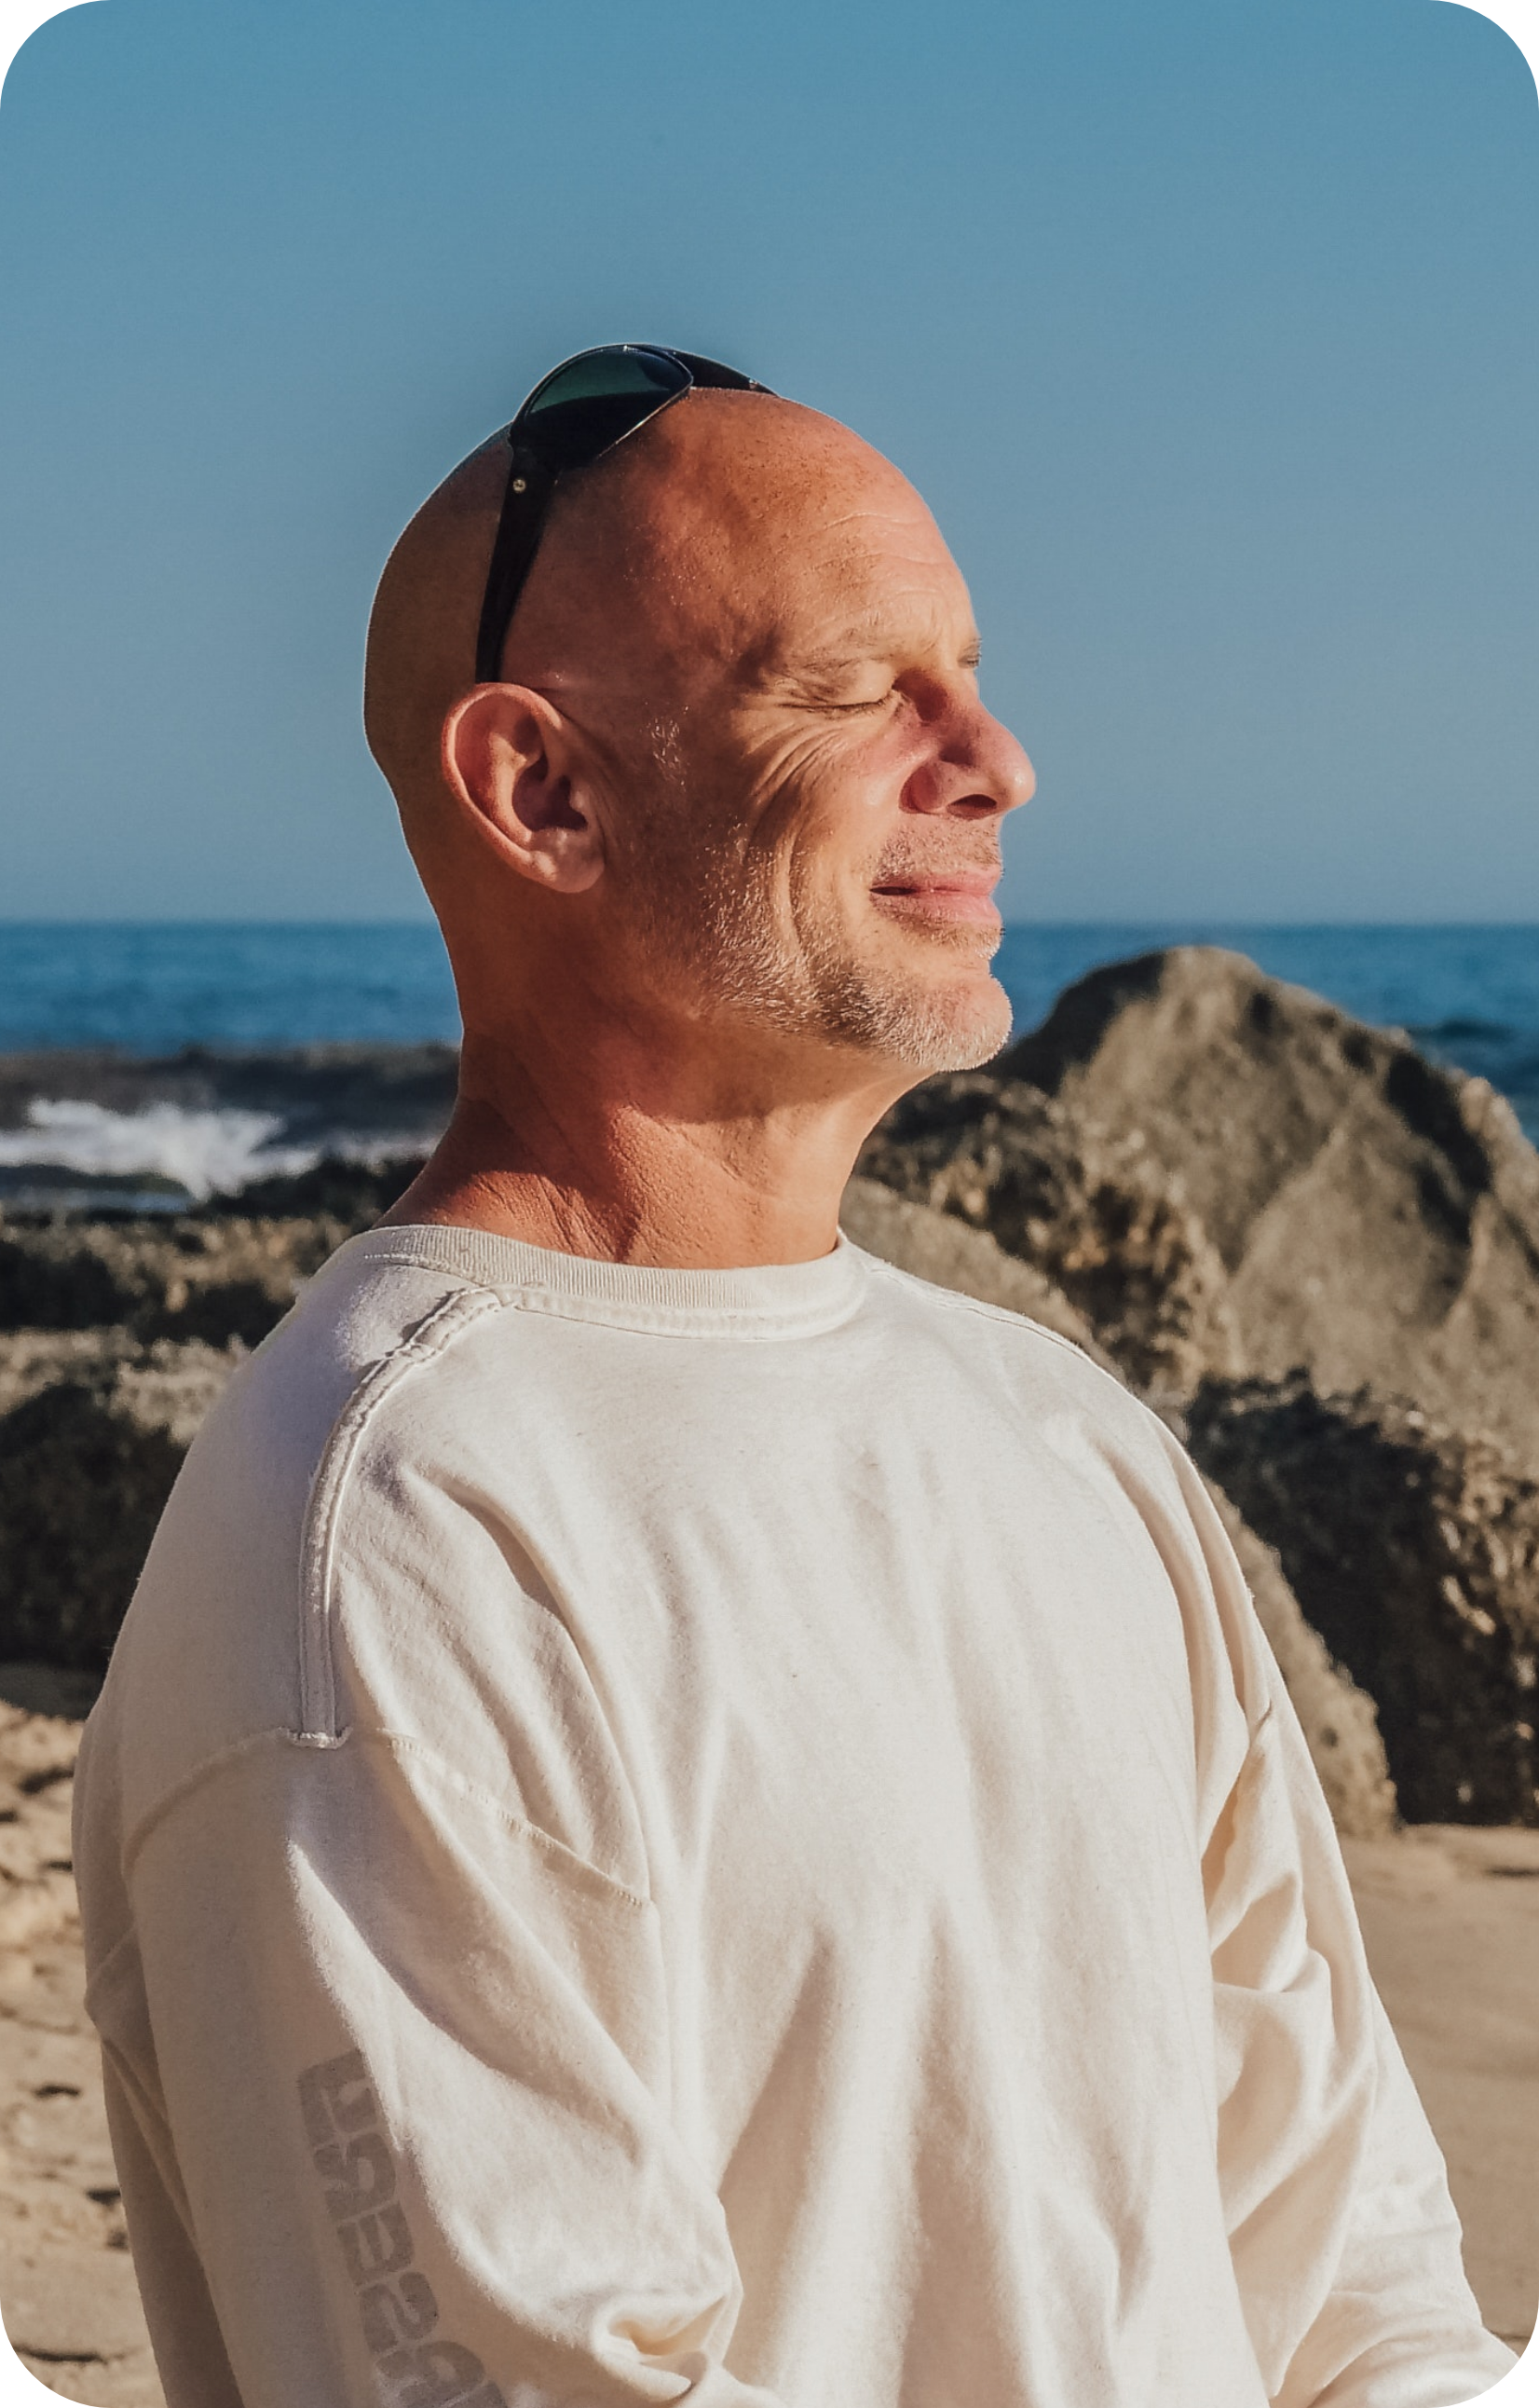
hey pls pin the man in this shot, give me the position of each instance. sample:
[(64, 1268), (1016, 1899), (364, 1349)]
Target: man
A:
[(680, 1815)]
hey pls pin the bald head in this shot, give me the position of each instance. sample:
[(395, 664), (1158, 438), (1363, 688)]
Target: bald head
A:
[(669, 557)]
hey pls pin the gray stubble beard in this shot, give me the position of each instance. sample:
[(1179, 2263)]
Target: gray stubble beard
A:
[(731, 950)]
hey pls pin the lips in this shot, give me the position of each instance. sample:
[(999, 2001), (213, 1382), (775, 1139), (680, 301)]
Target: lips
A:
[(959, 897)]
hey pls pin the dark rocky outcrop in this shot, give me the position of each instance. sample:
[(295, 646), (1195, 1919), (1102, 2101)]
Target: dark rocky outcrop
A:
[(1414, 1551), (1326, 1248), (228, 1270), (208, 1280), (353, 1194), (1338, 1718), (87, 1459), (116, 1335)]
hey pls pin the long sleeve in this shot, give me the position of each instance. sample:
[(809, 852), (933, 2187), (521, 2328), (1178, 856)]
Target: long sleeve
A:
[(1345, 2238), (408, 2091)]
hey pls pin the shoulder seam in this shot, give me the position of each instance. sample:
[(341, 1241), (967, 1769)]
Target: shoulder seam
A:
[(431, 1336), (169, 1798)]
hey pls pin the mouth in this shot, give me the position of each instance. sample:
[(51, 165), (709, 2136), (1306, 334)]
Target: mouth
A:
[(954, 898)]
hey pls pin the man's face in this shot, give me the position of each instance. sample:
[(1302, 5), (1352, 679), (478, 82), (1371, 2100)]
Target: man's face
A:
[(822, 843)]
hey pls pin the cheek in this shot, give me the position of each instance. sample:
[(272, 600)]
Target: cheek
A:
[(831, 856), (831, 790)]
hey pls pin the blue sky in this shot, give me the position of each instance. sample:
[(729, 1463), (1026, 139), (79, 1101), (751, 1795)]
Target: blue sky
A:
[(1210, 330)]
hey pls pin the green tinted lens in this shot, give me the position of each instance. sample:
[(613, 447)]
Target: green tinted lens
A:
[(631, 374)]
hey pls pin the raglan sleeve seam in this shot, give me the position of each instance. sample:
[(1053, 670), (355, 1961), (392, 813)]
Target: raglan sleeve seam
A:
[(588, 1875)]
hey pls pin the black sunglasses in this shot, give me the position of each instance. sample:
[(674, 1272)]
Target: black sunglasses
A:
[(580, 410)]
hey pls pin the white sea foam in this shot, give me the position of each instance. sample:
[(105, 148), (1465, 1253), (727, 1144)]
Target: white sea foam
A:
[(201, 1151)]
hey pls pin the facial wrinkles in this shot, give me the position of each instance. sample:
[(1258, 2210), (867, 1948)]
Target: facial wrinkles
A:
[(863, 759), (754, 917)]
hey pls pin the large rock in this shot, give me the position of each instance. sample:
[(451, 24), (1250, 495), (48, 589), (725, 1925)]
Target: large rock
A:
[(1377, 1219), (1414, 1551), (1087, 1207)]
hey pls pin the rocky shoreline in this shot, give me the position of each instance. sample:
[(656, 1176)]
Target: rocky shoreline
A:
[(1315, 1252)]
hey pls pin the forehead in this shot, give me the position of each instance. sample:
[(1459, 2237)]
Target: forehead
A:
[(739, 534), (839, 561)]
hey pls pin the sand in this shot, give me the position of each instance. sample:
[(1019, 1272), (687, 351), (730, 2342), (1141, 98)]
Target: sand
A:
[(66, 2280), (1450, 1915)]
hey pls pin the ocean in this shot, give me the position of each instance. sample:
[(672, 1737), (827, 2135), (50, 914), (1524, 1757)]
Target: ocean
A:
[(142, 1065)]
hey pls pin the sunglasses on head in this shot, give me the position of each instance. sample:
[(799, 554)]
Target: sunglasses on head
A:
[(580, 410)]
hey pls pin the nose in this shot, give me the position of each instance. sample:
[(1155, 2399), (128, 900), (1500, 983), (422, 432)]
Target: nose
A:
[(978, 769)]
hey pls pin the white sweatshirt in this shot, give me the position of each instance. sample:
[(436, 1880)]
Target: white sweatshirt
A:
[(730, 1837)]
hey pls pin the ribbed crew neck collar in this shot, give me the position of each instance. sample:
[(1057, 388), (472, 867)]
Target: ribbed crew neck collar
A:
[(769, 1300)]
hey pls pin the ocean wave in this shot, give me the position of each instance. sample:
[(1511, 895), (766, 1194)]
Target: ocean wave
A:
[(203, 1153)]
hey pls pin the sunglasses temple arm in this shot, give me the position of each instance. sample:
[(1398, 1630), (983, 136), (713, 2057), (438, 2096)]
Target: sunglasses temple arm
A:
[(517, 541)]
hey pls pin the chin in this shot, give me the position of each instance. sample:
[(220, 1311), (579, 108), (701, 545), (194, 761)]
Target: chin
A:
[(945, 1009), (927, 1023), (962, 1034)]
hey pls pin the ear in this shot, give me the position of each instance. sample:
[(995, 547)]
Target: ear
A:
[(508, 759)]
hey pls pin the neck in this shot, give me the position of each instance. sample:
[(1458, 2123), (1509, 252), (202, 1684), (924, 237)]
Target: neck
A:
[(693, 1167)]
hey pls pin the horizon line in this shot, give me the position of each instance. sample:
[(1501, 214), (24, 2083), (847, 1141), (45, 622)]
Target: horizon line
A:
[(1158, 920)]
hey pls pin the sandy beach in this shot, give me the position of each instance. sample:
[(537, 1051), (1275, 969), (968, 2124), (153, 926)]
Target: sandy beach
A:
[(1450, 1914)]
